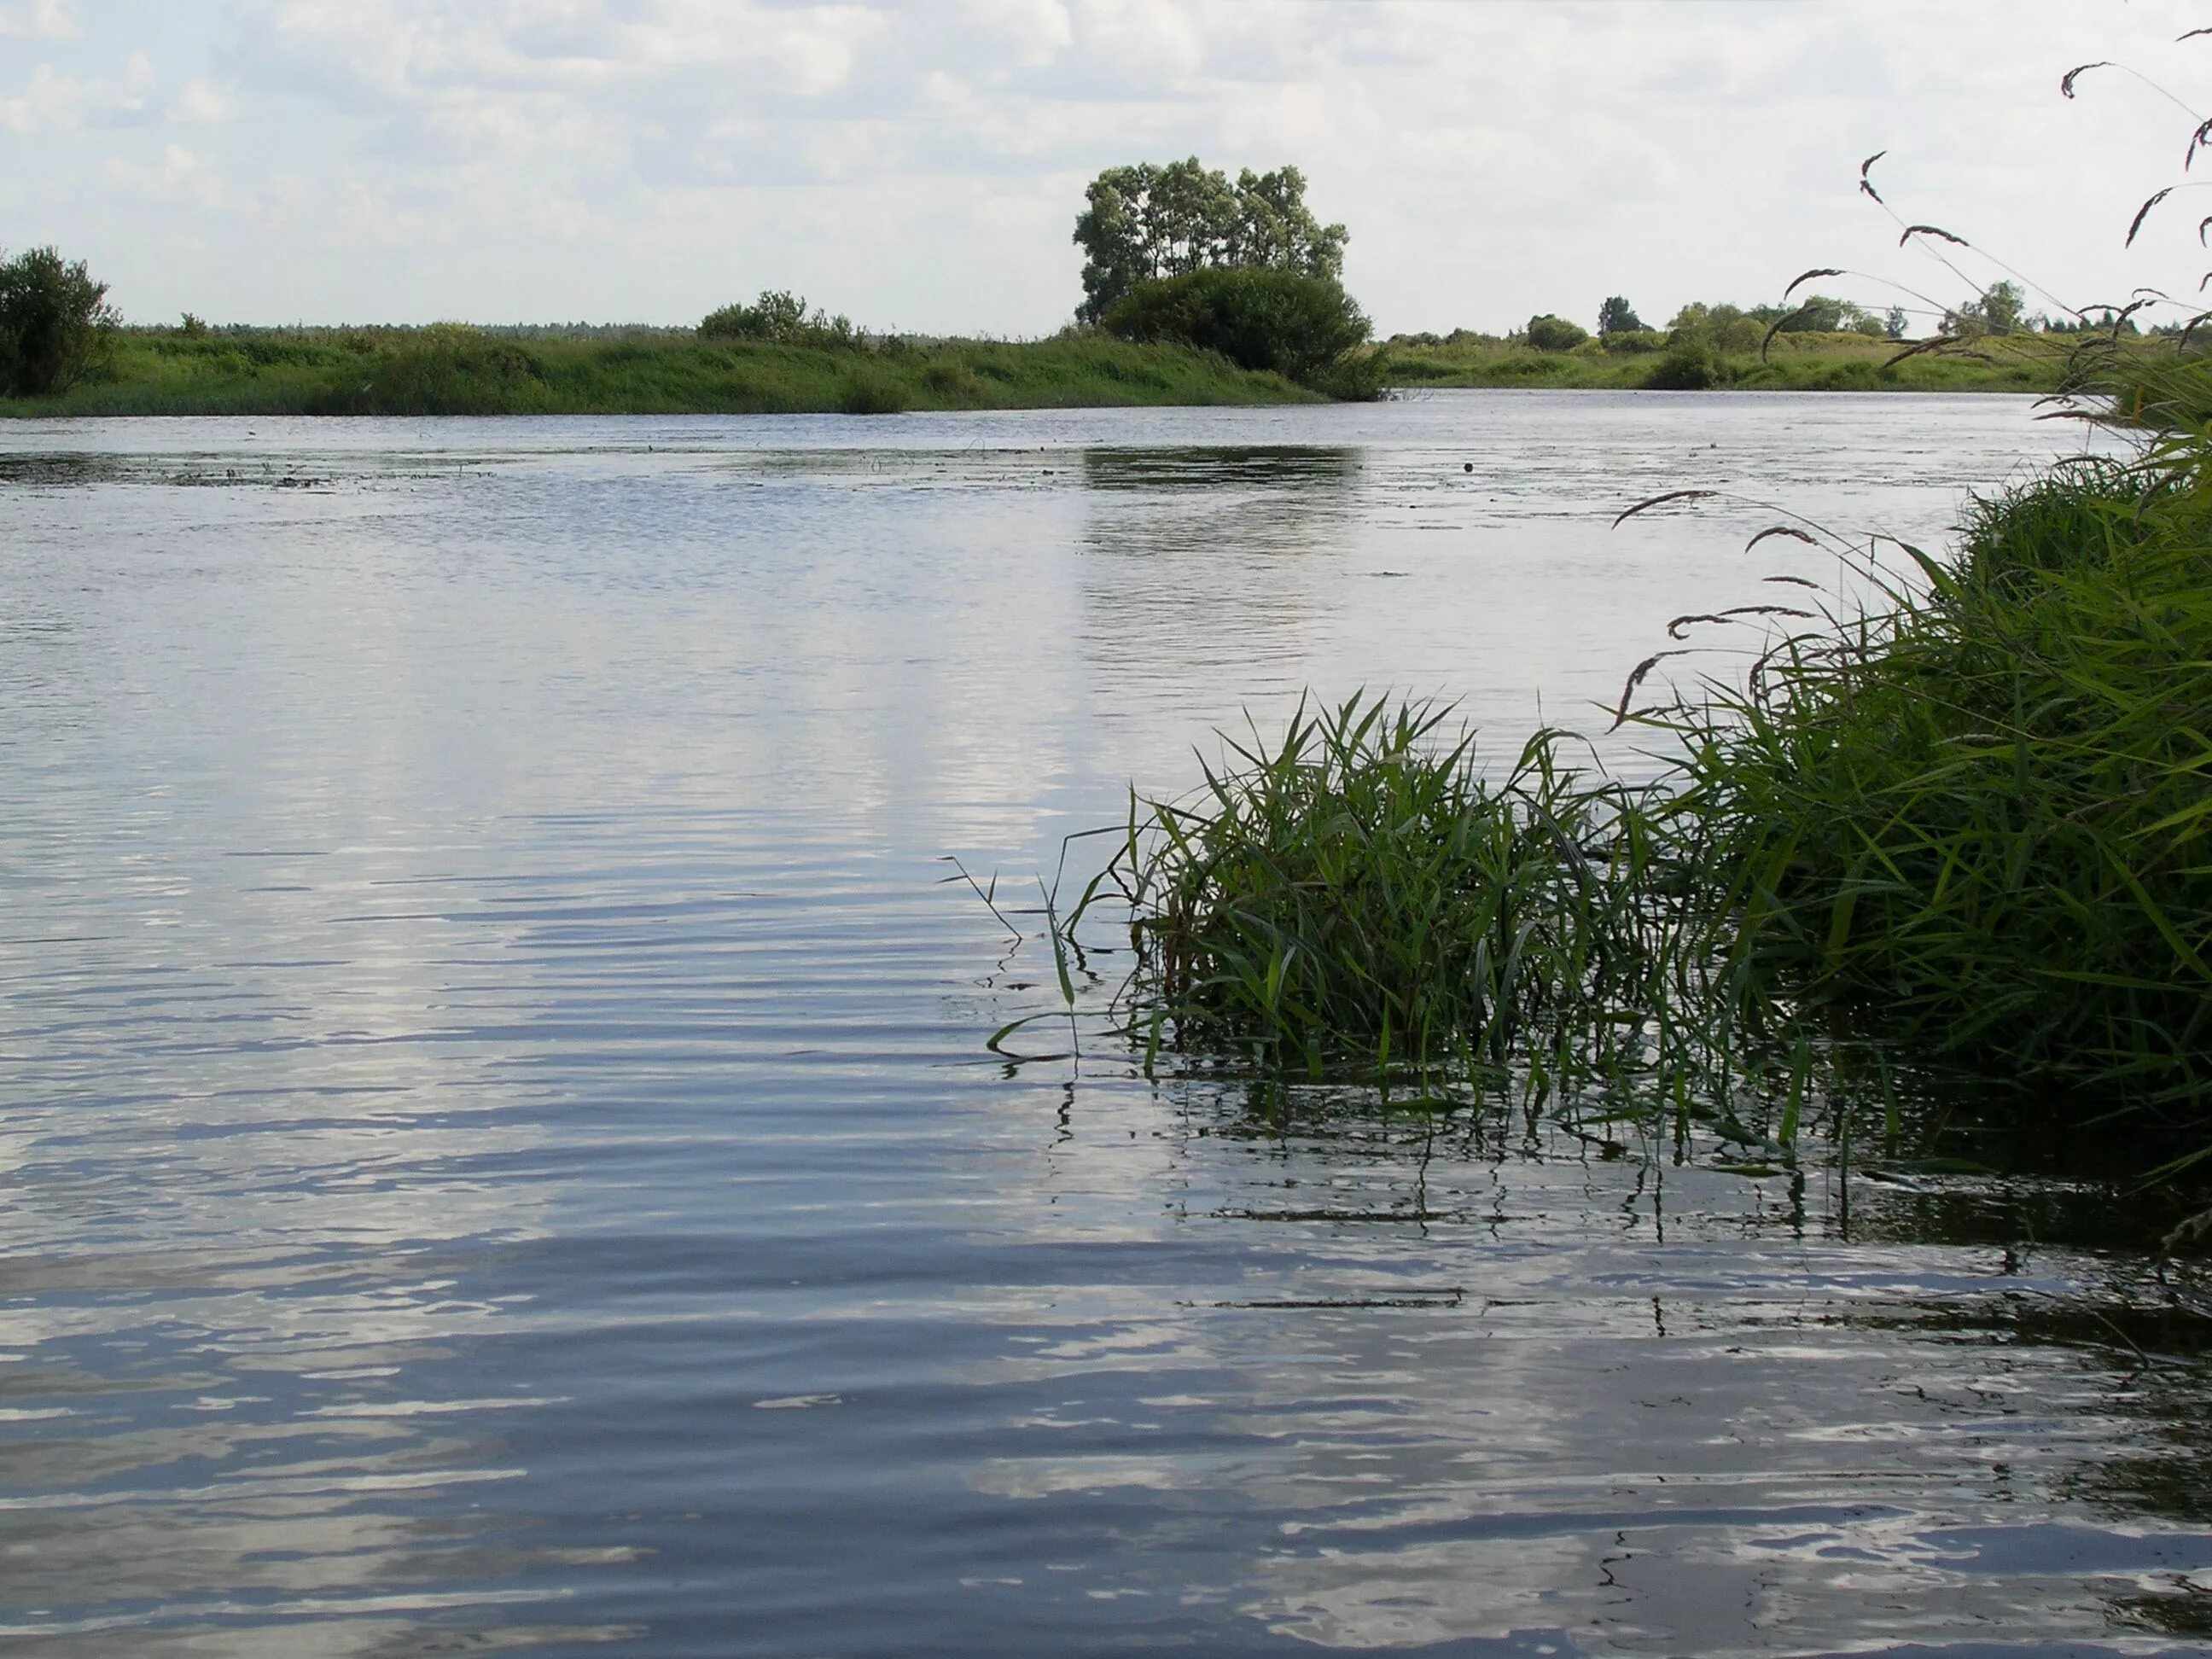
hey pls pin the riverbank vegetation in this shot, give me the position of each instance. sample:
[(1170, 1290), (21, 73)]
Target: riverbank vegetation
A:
[(1304, 328), (449, 369), (1967, 828), (1959, 830), (1816, 342), (1691, 358), (1151, 222)]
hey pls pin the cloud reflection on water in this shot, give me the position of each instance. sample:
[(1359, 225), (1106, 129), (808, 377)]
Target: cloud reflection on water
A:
[(1752, 1427), (479, 1024)]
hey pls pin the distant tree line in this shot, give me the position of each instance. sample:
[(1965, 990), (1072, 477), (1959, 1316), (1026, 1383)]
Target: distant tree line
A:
[(2000, 309)]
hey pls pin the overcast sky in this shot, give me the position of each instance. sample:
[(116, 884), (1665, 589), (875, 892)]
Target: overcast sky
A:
[(920, 166)]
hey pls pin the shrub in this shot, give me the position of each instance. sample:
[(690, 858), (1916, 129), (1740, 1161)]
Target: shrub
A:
[(948, 378), (1550, 333), (1688, 366), (781, 317), (55, 322), (869, 391), (1301, 327)]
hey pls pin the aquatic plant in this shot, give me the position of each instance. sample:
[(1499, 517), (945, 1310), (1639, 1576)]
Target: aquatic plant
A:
[(1978, 816), (1968, 823)]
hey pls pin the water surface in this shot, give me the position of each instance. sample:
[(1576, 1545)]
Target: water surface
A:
[(498, 1151)]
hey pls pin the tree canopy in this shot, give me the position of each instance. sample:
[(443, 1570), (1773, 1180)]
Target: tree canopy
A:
[(2000, 309), (1548, 332), (55, 321), (1617, 316), (1149, 221)]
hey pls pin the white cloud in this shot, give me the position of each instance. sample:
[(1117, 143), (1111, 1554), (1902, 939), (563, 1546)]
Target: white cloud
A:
[(921, 164), (177, 176), (53, 101), (200, 103), (40, 19)]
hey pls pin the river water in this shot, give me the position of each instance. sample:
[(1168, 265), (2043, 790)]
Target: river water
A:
[(497, 1149)]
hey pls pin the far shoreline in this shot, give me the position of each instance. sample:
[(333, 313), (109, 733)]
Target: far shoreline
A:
[(449, 370)]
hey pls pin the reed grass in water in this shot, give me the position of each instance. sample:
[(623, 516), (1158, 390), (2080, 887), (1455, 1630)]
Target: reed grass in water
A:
[(1969, 824), (1977, 820), (1360, 892)]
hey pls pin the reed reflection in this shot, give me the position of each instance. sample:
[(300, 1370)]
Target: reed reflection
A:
[(1461, 1384)]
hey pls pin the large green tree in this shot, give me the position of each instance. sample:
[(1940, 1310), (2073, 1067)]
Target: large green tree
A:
[(1152, 220), (55, 321), (1617, 316)]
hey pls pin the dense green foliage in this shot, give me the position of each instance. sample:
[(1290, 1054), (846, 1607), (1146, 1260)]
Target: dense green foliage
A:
[(1360, 891), (1301, 327), (1148, 222), (55, 322), (1982, 815), (1550, 333), (1617, 316), (449, 370), (2002, 309), (1689, 364), (781, 317), (1728, 356)]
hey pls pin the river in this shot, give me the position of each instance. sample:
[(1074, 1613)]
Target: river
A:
[(498, 1152)]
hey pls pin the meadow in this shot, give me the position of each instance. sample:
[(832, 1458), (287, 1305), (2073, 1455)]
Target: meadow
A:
[(452, 369), (456, 370), (1811, 362)]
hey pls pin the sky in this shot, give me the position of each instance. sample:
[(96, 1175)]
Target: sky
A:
[(918, 166)]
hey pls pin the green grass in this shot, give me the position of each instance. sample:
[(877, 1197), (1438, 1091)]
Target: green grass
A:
[(1362, 893), (1365, 897), (1979, 820), (456, 371), (1793, 363)]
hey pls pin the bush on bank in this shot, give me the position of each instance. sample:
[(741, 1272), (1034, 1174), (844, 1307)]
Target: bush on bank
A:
[(1303, 328)]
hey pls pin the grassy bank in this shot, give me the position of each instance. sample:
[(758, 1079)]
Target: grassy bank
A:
[(1967, 829), (458, 371), (1793, 363), (450, 370)]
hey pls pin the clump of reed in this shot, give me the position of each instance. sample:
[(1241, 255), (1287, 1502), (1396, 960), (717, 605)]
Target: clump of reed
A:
[(1976, 818), (1361, 893), (1970, 824)]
